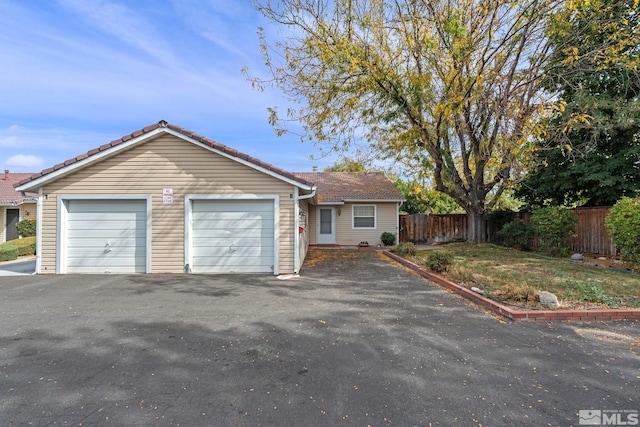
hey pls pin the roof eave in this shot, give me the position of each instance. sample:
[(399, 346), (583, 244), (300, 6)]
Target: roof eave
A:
[(85, 160), (110, 149)]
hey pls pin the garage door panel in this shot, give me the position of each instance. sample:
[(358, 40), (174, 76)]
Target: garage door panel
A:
[(235, 225), (231, 216), (99, 235), (232, 236), (236, 250), (231, 265), (231, 205), (99, 217), (234, 233), (138, 242), (113, 251), (106, 236)]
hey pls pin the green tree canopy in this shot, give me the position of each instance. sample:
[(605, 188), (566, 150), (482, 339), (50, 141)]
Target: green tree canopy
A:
[(453, 85), (346, 166), (597, 160)]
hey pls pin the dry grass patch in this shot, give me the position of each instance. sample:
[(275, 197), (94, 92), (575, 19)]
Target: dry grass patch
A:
[(514, 277)]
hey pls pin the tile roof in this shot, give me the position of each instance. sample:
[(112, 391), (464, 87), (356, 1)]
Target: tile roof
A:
[(8, 195), (352, 186), (165, 125)]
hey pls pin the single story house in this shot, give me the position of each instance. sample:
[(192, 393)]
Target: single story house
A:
[(352, 208), (15, 206), (166, 200)]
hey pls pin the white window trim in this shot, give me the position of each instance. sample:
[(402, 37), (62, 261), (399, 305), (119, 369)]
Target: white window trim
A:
[(188, 222), (63, 213), (353, 217)]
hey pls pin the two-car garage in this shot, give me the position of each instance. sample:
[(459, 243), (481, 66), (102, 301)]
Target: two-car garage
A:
[(166, 200), (222, 235)]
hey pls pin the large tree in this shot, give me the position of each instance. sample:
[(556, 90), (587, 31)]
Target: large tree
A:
[(452, 85), (597, 160)]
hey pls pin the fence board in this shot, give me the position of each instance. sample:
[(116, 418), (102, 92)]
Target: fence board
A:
[(591, 234)]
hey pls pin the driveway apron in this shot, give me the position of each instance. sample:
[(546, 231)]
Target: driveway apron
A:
[(356, 340)]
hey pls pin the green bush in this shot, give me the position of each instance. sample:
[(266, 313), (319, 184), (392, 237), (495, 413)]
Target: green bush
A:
[(438, 260), (623, 225), (27, 227), (8, 252), (388, 239), (26, 246), (554, 225), (517, 234), (406, 248), (593, 292)]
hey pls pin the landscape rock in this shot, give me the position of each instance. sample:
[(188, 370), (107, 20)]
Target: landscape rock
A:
[(477, 290), (548, 299), (577, 257)]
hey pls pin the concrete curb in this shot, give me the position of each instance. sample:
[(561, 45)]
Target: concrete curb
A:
[(521, 315)]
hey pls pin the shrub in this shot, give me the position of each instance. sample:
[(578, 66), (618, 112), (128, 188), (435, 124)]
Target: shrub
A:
[(406, 248), (8, 252), (623, 225), (592, 292), (388, 239), (554, 225), (26, 227), (26, 246), (517, 234), (438, 260)]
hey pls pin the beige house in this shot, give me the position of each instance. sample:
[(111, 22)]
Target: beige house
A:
[(165, 200), (352, 208), (14, 205)]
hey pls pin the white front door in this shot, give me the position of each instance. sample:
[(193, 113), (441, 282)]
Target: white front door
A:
[(326, 226)]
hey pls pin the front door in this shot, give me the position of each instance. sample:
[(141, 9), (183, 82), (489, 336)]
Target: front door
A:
[(326, 226), (12, 217)]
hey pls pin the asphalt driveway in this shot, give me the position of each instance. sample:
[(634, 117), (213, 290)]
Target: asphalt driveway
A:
[(17, 268), (357, 340)]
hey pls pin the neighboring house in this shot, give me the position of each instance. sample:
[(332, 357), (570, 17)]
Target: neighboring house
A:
[(351, 208), (14, 205), (166, 200)]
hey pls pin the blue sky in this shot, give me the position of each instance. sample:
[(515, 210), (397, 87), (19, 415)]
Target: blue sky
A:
[(76, 74)]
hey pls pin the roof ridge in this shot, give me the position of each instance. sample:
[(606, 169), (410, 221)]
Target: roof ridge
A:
[(163, 124)]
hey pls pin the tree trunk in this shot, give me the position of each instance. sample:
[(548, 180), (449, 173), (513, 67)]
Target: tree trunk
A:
[(476, 227)]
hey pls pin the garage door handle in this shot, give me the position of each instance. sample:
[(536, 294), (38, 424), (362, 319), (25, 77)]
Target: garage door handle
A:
[(107, 248), (232, 248)]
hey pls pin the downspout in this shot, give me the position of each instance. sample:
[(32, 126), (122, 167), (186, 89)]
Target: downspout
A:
[(398, 222), (296, 241), (39, 231)]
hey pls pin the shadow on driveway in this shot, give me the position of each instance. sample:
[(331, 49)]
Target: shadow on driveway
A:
[(357, 340), (17, 268)]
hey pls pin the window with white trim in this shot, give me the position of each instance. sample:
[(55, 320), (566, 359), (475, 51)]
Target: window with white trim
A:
[(364, 216)]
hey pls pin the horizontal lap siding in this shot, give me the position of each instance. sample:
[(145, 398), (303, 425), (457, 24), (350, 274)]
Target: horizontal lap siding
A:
[(168, 162), (386, 220)]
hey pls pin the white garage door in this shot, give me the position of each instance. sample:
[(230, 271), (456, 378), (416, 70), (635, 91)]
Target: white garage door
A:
[(106, 236), (232, 236)]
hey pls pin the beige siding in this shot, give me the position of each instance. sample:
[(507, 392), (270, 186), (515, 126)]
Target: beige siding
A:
[(168, 162), (386, 220), (312, 225)]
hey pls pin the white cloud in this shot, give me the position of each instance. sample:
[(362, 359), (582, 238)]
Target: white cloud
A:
[(24, 163)]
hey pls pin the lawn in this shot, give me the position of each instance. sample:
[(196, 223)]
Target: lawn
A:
[(514, 277)]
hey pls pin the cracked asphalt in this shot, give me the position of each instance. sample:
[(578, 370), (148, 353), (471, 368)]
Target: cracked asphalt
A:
[(356, 340)]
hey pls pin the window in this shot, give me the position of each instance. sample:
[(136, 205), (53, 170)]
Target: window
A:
[(364, 216)]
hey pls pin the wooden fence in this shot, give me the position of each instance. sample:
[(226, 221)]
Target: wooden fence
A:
[(592, 236)]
